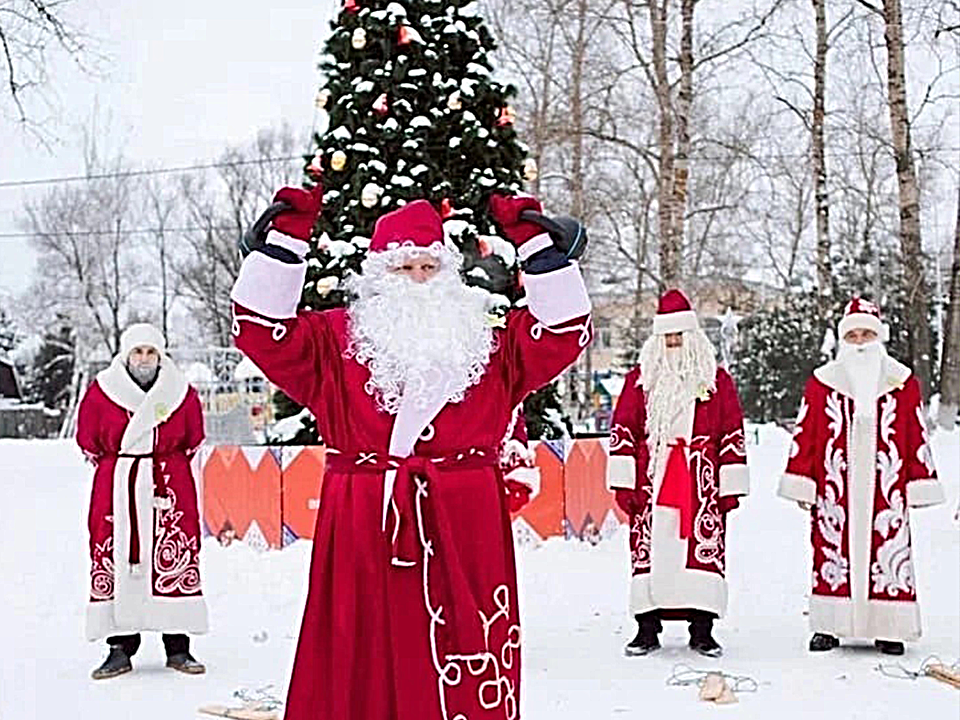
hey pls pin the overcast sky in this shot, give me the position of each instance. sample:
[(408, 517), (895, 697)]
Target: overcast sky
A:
[(184, 79)]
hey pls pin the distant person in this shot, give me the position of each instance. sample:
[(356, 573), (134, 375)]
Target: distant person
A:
[(678, 466), (860, 457), (140, 423)]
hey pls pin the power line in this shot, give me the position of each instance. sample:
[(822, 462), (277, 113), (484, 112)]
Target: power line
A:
[(122, 233), (142, 173)]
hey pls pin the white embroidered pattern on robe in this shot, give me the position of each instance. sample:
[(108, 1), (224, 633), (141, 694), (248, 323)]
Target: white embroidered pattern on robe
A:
[(734, 443), (621, 437), (831, 517), (892, 571), (101, 571), (176, 560), (798, 427), (924, 453), (707, 526), (642, 534)]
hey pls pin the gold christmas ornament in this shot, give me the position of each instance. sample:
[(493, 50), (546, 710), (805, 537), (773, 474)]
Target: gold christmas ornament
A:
[(338, 161), (370, 195), (359, 39), (454, 102), (323, 97), (530, 170)]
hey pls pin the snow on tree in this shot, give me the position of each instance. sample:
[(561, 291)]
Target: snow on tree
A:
[(412, 112)]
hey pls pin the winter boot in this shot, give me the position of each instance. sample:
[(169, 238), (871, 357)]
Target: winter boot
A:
[(889, 647), (117, 663), (821, 642), (701, 635), (179, 657), (648, 636)]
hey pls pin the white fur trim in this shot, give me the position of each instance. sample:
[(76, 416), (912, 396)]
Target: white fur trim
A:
[(862, 321), (734, 480), (141, 334), (924, 493), (170, 615), (621, 472), (798, 487), (876, 619), (558, 296), (675, 322), (893, 374), (534, 245), (269, 287), (294, 245), (689, 589)]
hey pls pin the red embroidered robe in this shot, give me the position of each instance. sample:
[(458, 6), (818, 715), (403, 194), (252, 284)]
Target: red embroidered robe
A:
[(862, 473), (143, 520), (671, 573), (412, 606)]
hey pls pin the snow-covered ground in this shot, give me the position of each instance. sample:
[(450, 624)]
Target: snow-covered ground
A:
[(574, 613)]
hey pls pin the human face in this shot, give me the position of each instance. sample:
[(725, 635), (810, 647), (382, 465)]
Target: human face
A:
[(673, 340), (145, 356), (419, 268), (860, 336)]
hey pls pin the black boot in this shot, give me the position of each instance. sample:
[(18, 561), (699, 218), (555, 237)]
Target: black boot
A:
[(701, 635), (889, 647), (122, 648), (179, 657), (648, 635), (821, 642)]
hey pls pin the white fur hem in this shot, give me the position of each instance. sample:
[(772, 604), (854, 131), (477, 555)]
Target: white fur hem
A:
[(876, 619), (675, 322), (170, 615), (734, 480), (924, 493), (687, 589), (269, 287), (557, 296), (798, 487), (621, 472)]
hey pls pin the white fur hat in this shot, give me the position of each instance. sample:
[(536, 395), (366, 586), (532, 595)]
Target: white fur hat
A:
[(141, 334)]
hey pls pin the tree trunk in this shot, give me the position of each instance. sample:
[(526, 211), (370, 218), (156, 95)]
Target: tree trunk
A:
[(681, 169), (915, 283), (669, 244), (950, 362), (821, 203)]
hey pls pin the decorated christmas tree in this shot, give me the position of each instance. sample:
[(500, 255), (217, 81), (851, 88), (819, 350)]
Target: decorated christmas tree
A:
[(412, 112)]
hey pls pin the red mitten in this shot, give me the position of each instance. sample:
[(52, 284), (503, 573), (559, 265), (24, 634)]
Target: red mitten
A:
[(626, 500), (518, 495), (726, 503), (305, 205), (506, 209)]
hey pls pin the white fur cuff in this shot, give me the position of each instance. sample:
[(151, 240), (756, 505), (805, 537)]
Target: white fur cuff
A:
[(294, 245), (534, 245), (925, 492), (557, 296), (798, 487), (269, 287), (621, 472), (734, 480)]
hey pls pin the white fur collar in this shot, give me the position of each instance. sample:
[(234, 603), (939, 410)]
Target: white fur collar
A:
[(148, 409), (893, 374)]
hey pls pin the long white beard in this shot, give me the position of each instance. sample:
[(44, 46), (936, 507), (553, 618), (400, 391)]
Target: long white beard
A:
[(863, 364), (672, 378), (418, 338)]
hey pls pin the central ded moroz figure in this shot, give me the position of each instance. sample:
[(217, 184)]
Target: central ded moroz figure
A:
[(411, 612)]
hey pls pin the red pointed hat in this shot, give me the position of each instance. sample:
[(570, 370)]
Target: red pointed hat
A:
[(864, 315), (674, 314), (416, 224)]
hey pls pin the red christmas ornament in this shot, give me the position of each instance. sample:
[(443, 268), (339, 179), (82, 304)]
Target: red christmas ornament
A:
[(350, 5), (483, 245), (315, 168), (403, 35), (506, 117), (380, 106), (446, 209)]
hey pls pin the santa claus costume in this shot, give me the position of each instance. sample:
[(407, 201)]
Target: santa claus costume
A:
[(140, 432), (412, 610), (677, 465), (861, 457)]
